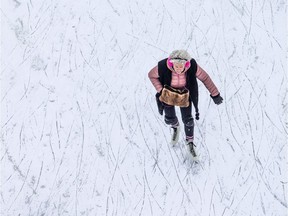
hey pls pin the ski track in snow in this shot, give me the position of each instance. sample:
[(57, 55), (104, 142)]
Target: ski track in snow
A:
[(80, 130)]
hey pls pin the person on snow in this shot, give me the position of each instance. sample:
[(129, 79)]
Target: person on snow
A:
[(174, 79)]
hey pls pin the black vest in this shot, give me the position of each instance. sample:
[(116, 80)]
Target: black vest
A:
[(165, 77)]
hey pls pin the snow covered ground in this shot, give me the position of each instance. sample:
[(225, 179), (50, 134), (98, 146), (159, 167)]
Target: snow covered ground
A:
[(80, 131)]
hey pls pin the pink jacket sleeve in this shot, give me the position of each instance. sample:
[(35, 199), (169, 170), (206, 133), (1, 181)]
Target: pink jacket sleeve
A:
[(154, 78), (204, 77)]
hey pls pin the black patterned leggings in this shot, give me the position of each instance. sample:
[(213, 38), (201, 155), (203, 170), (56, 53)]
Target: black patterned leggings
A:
[(186, 115)]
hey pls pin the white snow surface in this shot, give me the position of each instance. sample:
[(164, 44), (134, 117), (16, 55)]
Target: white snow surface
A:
[(80, 130)]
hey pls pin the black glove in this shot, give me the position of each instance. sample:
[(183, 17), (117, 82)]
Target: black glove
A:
[(159, 103), (217, 99)]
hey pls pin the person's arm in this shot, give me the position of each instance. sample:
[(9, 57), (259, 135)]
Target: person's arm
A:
[(154, 78), (207, 81)]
